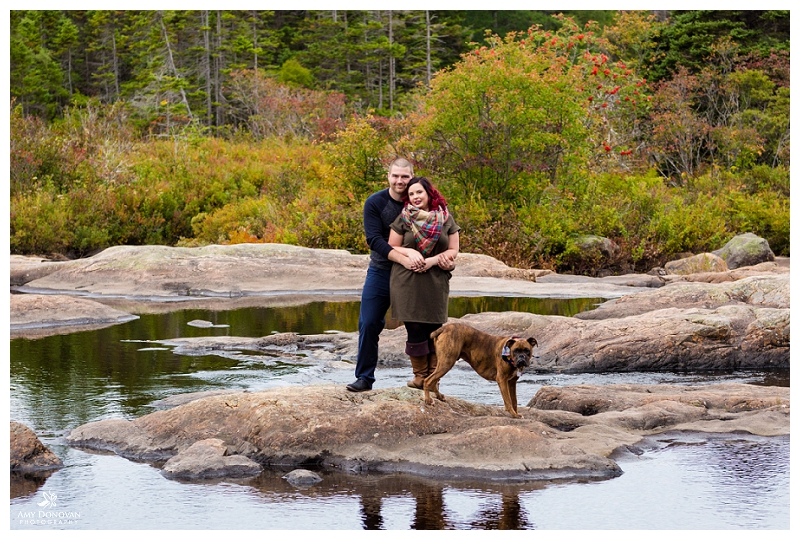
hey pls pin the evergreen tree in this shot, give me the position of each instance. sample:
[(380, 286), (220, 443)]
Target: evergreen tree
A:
[(35, 75)]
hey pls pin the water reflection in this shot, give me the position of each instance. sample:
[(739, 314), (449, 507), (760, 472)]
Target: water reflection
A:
[(429, 504), (26, 483)]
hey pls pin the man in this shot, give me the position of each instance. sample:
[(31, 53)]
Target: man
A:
[(380, 210)]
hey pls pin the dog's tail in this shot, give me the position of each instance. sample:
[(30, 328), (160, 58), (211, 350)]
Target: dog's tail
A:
[(437, 332)]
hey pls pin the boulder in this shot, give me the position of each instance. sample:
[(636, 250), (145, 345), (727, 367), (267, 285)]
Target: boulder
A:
[(745, 250), (704, 262), (28, 453), (590, 243), (565, 433), (208, 459), (302, 477)]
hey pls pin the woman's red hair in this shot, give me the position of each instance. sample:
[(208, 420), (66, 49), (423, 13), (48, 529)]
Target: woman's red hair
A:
[(436, 199)]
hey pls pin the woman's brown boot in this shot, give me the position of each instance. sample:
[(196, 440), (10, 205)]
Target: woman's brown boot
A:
[(418, 353), (419, 365)]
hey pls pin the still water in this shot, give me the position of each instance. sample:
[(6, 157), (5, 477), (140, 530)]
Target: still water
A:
[(681, 481)]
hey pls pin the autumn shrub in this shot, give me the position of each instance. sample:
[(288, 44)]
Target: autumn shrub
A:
[(39, 223), (766, 215), (530, 107), (361, 153), (40, 157), (251, 220)]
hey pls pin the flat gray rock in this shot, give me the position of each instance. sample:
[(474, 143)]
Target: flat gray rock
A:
[(564, 433)]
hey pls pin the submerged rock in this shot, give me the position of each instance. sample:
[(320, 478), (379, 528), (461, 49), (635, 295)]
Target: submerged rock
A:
[(302, 477)]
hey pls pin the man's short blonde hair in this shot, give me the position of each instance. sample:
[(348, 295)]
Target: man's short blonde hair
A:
[(402, 163)]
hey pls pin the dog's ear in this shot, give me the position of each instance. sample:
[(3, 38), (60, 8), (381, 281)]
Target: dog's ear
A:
[(509, 343), (533, 342)]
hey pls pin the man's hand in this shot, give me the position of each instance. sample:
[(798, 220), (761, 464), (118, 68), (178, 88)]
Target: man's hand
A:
[(416, 260)]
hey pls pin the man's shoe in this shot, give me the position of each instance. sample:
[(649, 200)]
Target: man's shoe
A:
[(359, 386)]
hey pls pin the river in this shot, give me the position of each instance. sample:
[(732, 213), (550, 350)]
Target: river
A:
[(681, 481)]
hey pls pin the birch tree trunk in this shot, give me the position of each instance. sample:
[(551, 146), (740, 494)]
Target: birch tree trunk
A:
[(391, 66), (171, 63), (427, 48)]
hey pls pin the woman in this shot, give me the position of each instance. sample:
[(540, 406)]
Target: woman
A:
[(427, 237)]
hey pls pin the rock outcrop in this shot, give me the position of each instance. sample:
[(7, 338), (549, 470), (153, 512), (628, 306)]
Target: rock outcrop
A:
[(565, 433), (649, 408), (42, 314), (764, 291), (761, 269), (382, 430), (28, 453), (242, 270)]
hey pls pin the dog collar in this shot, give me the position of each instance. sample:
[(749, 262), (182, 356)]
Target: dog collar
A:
[(505, 354)]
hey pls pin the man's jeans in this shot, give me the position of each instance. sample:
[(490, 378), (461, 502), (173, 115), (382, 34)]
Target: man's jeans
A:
[(371, 320)]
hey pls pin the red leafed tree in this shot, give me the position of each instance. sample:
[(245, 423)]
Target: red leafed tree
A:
[(269, 108), (531, 107)]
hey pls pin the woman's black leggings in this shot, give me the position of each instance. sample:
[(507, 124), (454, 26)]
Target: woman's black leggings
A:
[(419, 332)]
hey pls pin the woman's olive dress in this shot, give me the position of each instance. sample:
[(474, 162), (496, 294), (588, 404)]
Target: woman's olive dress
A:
[(421, 297)]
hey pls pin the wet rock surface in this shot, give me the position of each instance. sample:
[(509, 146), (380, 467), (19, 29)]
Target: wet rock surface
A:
[(28, 453), (208, 459), (36, 315), (564, 433)]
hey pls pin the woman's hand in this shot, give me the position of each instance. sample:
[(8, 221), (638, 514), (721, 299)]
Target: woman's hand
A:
[(446, 261)]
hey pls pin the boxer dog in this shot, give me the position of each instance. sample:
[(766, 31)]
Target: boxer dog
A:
[(495, 358)]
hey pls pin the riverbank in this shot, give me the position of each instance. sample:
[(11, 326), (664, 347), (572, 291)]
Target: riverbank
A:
[(150, 279)]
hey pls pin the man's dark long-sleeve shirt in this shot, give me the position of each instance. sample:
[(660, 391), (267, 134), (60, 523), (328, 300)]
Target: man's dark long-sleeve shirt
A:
[(380, 211)]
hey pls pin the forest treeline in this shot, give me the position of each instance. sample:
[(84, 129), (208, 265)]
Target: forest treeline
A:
[(667, 132)]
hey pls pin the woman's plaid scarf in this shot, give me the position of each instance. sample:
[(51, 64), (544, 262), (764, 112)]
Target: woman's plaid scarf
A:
[(426, 226)]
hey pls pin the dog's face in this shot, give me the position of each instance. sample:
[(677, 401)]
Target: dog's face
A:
[(521, 351)]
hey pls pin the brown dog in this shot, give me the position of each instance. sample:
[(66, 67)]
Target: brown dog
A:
[(495, 358)]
